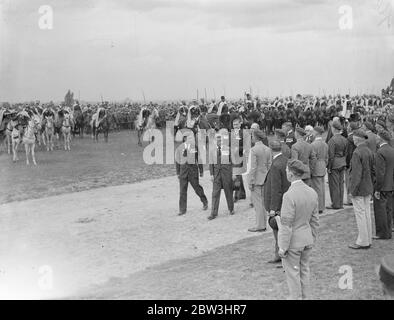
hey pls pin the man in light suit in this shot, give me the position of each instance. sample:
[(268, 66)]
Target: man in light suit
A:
[(261, 159), (298, 226), (303, 151), (275, 186), (320, 148)]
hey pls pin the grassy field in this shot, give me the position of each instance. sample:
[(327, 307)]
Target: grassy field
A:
[(88, 165)]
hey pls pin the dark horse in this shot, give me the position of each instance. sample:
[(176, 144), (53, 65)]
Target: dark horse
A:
[(79, 121), (102, 124)]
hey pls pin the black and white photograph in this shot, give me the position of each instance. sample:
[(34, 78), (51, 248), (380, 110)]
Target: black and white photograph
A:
[(209, 151)]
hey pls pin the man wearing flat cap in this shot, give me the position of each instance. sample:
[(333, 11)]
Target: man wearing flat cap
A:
[(303, 151), (362, 175), (275, 186), (299, 222), (386, 276), (337, 149), (368, 127), (261, 159), (320, 148), (384, 187)]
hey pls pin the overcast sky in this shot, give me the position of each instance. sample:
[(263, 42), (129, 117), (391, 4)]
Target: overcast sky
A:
[(171, 48)]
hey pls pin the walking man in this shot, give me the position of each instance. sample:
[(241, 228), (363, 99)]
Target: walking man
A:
[(221, 171), (188, 169), (362, 171), (320, 148), (275, 186), (384, 187), (337, 148), (261, 159), (299, 222)]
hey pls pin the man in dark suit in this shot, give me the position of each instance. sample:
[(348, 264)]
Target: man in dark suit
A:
[(303, 151), (221, 170), (353, 126), (287, 127), (384, 187), (276, 184), (187, 170), (337, 148), (362, 175), (281, 136)]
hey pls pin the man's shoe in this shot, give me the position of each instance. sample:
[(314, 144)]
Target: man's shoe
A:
[(348, 204), (276, 260), (181, 213), (320, 211), (231, 213), (257, 230), (211, 217), (379, 238), (205, 206), (333, 208), (251, 205), (356, 246)]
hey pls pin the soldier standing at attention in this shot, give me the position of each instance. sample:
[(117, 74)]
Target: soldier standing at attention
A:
[(188, 169), (337, 150)]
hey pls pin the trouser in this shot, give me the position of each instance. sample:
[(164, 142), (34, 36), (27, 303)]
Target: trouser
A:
[(239, 192), (274, 227), (191, 177), (258, 201), (225, 181), (296, 266), (335, 183), (362, 211), (383, 210), (317, 183), (247, 190), (347, 184)]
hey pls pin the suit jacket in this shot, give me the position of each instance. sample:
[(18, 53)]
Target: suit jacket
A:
[(337, 148), (187, 160), (276, 184), (362, 172), (320, 148), (371, 142), (303, 151), (350, 149), (299, 217), (261, 159), (285, 150), (220, 160), (384, 168)]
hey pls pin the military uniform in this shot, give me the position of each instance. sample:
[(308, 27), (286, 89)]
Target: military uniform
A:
[(188, 169)]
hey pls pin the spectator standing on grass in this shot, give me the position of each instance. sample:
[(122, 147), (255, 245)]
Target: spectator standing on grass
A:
[(353, 126), (298, 226), (383, 199), (362, 172), (337, 148)]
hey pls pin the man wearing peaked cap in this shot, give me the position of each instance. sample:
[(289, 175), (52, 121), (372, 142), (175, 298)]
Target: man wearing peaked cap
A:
[(275, 186), (386, 275), (318, 172), (337, 150), (281, 136), (303, 151), (383, 199), (298, 227), (362, 172)]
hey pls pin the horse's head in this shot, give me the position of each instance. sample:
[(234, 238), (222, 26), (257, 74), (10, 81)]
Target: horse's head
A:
[(49, 121)]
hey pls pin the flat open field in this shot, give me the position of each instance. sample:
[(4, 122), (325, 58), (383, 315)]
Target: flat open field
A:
[(126, 241)]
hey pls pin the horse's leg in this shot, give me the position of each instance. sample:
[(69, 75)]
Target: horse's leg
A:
[(69, 141), (106, 135), (9, 144), (33, 154), (65, 141), (27, 153), (47, 140)]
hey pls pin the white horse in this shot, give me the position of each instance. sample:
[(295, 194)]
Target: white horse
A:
[(66, 130), (49, 132), (146, 121), (15, 136), (29, 140)]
